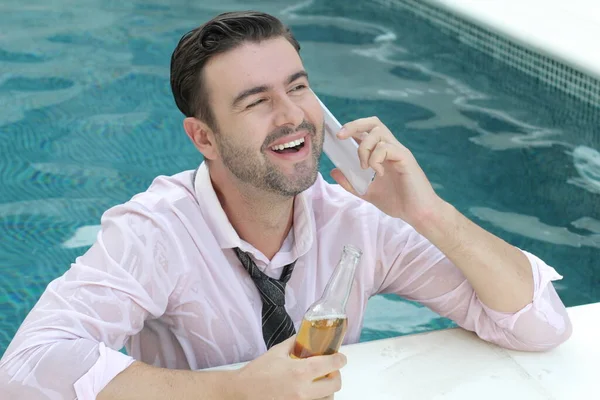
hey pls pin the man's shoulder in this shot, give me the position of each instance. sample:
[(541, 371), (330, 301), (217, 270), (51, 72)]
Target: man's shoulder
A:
[(167, 190), (164, 194)]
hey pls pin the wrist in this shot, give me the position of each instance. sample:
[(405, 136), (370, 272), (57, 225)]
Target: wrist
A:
[(233, 385), (442, 226), (434, 220)]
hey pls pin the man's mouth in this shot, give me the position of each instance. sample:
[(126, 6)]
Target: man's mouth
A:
[(290, 147)]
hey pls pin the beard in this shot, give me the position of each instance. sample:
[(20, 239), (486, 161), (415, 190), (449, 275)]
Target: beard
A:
[(257, 170)]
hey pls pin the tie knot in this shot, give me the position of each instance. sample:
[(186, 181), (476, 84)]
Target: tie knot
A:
[(256, 274), (271, 290)]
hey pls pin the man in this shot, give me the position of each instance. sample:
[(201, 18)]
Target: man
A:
[(171, 273)]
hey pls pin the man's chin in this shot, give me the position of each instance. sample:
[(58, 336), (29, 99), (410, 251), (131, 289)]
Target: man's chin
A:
[(308, 181), (295, 184)]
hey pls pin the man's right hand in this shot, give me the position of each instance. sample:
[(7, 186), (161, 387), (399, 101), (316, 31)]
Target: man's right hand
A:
[(275, 375)]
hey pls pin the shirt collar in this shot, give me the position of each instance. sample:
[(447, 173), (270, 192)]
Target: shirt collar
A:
[(303, 225)]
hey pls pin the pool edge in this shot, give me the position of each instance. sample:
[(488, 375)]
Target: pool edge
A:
[(566, 75)]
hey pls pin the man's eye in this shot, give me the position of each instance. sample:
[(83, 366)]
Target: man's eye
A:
[(257, 102), (298, 87)]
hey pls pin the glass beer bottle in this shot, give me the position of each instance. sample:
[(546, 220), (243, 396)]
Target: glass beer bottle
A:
[(325, 323)]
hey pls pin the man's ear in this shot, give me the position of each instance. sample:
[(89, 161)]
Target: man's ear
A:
[(202, 136)]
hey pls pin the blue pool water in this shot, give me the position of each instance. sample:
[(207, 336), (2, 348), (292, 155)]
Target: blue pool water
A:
[(87, 120)]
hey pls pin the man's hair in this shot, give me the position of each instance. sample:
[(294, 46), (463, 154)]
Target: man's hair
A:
[(222, 33)]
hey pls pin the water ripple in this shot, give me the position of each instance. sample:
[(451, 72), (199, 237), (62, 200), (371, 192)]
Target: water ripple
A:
[(587, 164), (532, 227), (35, 84), (14, 57)]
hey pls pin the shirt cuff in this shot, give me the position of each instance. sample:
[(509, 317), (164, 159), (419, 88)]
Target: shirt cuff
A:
[(109, 364), (543, 275)]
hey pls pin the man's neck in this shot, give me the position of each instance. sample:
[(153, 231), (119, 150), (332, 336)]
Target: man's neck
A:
[(263, 220)]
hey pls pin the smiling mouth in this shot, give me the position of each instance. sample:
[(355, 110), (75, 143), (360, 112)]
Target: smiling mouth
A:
[(291, 147)]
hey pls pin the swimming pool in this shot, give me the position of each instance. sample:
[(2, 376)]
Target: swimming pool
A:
[(87, 120)]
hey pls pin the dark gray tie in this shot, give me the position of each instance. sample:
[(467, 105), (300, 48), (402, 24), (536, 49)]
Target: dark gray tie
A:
[(277, 325)]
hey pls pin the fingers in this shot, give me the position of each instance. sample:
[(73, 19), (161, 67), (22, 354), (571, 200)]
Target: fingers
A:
[(284, 347), (367, 145), (319, 366), (325, 388), (357, 127), (286, 377), (377, 157), (384, 152), (376, 143)]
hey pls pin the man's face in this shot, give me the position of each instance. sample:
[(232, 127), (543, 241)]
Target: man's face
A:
[(260, 98)]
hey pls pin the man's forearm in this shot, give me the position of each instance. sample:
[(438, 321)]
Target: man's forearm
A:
[(144, 382), (500, 273)]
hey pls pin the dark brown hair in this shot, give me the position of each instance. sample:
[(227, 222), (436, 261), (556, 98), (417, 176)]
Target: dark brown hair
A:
[(222, 33)]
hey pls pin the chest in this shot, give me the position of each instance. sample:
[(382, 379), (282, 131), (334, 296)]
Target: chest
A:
[(218, 309)]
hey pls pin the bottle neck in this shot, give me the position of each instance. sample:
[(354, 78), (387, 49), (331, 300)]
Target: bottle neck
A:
[(338, 288)]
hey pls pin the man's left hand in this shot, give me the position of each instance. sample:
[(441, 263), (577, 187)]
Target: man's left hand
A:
[(400, 188), (500, 274)]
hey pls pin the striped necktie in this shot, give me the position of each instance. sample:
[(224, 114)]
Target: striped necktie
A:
[(277, 325)]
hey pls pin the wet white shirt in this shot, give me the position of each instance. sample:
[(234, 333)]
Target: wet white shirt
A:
[(162, 279)]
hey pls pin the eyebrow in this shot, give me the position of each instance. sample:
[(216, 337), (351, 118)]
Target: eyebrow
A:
[(263, 88)]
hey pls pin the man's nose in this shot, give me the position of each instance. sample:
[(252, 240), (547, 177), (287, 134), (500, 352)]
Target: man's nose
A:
[(288, 113)]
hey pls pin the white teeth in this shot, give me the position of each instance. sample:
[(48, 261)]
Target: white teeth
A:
[(293, 143)]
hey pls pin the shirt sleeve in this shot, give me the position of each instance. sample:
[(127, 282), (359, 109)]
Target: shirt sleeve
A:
[(68, 345), (413, 268)]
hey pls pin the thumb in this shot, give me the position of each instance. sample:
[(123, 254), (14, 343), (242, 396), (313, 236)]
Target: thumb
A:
[(285, 347), (339, 177)]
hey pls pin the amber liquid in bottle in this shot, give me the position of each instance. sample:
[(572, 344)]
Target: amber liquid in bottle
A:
[(325, 323), (320, 336)]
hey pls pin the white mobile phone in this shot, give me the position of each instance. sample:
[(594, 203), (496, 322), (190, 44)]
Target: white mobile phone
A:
[(344, 154)]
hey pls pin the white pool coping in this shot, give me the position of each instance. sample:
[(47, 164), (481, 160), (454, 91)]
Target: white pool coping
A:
[(454, 364), (567, 31)]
